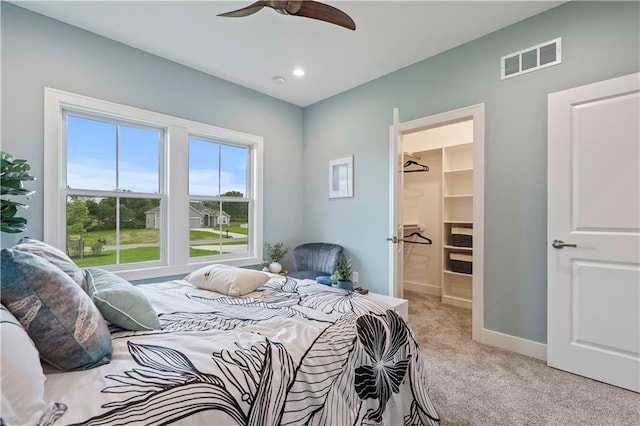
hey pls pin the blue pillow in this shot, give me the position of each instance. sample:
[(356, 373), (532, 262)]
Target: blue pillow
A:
[(64, 324), (326, 280)]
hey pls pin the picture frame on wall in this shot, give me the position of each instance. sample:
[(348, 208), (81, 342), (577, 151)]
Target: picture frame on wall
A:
[(341, 177)]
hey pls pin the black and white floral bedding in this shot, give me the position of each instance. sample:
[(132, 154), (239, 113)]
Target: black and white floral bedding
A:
[(291, 353)]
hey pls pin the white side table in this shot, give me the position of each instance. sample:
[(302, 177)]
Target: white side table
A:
[(401, 305)]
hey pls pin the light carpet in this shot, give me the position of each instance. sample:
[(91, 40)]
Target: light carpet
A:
[(474, 384)]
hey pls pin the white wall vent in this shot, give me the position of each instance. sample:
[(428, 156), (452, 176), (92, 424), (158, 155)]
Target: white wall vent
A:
[(531, 59)]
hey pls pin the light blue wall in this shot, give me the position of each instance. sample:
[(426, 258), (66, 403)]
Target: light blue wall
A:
[(600, 40), (38, 52)]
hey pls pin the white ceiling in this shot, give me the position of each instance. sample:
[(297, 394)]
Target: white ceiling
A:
[(250, 51)]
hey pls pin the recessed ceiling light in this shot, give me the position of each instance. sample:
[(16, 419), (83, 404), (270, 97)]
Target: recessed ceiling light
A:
[(298, 72), (279, 79)]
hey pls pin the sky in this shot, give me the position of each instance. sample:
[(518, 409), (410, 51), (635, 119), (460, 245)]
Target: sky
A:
[(91, 160)]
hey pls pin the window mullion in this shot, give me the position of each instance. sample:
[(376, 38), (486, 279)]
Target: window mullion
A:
[(117, 230), (219, 195), (104, 194), (117, 198), (219, 170), (176, 209), (117, 157)]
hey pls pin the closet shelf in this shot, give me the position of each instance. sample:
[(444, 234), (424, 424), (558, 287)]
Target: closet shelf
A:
[(458, 248), (446, 271), (457, 203), (454, 171), (458, 196), (414, 226), (411, 155)]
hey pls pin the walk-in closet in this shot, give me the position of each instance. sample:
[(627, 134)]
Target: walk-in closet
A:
[(438, 212)]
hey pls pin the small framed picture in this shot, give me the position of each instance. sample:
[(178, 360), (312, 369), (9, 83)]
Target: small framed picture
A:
[(341, 177)]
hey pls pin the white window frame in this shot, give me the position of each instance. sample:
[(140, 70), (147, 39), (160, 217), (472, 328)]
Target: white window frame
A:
[(222, 199), (174, 175)]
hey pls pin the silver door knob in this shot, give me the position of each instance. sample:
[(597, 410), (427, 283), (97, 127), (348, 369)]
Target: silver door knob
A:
[(393, 239), (559, 244)]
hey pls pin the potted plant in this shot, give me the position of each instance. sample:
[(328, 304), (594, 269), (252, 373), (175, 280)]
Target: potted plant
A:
[(342, 274), (275, 254), (12, 174)]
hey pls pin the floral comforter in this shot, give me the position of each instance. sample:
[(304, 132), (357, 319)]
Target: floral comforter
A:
[(291, 353)]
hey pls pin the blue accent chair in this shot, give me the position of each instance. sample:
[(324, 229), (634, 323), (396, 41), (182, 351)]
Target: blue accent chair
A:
[(312, 260)]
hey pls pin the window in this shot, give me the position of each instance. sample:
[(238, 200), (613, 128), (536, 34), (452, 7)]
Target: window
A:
[(148, 194), (218, 198), (112, 182)]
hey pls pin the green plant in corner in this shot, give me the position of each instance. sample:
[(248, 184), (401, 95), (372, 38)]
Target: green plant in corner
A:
[(275, 252), (12, 174), (343, 270)]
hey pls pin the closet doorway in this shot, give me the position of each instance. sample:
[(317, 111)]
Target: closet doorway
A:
[(437, 209)]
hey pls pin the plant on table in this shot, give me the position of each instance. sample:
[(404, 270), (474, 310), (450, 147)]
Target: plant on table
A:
[(275, 254), (342, 274)]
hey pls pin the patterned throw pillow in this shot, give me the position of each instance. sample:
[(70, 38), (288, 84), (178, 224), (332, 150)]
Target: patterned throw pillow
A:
[(60, 318), (226, 279), (120, 302), (53, 255)]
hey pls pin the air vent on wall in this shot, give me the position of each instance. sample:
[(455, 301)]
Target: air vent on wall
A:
[(531, 59)]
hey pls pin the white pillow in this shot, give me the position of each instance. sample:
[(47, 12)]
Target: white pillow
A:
[(228, 280), (22, 379)]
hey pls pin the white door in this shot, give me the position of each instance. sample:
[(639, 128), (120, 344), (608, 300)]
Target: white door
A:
[(594, 202), (395, 211)]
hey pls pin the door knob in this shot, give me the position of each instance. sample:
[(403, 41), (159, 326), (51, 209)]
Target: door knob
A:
[(559, 244), (393, 239)]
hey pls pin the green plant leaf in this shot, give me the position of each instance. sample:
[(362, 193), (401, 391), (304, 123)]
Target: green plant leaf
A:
[(21, 191), (13, 225), (8, 211), (12, 175)]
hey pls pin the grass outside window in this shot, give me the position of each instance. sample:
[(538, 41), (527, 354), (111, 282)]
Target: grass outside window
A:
[(147, 245)]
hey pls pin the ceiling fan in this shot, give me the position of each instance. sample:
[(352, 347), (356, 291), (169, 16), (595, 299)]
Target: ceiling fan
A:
[(304, 8)]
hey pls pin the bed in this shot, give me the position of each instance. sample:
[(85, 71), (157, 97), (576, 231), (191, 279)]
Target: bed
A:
[(288, 352)]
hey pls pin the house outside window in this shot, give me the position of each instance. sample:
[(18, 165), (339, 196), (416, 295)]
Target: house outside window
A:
[(107, 169)]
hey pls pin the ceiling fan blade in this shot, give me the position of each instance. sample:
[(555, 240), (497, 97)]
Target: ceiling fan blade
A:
[(245, 11), (324, 12)]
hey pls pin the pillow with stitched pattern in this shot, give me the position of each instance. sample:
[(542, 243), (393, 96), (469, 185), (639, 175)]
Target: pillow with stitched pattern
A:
[(64, 324), (54, 256)]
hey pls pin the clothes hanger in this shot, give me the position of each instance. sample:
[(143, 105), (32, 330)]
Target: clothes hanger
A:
[(419, 235), (423, 168)]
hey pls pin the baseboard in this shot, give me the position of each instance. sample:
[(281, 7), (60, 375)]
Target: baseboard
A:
[(421, 288), (514, 344)]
